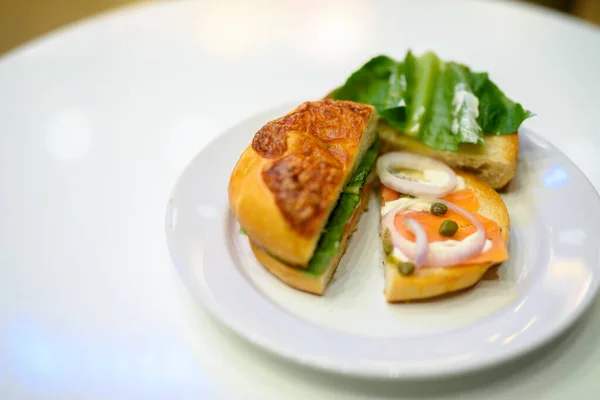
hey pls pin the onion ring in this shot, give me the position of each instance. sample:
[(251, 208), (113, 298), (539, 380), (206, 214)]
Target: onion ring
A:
[(421, 243), (404, 185)]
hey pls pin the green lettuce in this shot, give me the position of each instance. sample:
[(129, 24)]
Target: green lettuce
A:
[(434, 101), (358, 179), (329, 241)]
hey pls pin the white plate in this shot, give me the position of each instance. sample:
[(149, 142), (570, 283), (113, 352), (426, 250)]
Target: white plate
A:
[(550, 279)]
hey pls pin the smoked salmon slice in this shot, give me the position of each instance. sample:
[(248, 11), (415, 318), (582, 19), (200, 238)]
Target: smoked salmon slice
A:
[(466, 199)]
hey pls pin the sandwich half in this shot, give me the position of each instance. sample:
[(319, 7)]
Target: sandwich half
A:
[(431, 244), (298, 190)]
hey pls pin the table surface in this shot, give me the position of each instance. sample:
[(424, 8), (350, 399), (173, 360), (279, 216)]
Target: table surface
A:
[(98, 120)]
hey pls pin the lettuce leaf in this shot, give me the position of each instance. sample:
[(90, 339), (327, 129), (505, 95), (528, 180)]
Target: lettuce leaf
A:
[(497, 114), (359, 177), (377, 83), (441, 104), (330, 237)]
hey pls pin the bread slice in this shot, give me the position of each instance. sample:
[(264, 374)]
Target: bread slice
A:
[(287, 182), (495, 163), (432, 282), (299, 278)]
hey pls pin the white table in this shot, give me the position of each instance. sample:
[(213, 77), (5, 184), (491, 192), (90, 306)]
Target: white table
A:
[(98, 120)]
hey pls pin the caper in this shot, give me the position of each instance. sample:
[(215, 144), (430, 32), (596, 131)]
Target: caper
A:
[(392, 260), (448, 227), (406, 268), (438, 209), (387, 242)]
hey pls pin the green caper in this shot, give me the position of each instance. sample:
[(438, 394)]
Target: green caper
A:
[(448, 227), (392, 260), (387, 242), (438, 209), (406, 268)]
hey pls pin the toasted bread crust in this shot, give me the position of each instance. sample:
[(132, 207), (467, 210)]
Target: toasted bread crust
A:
[(432, 282), (303, 185), (327, 120), (287, 181)]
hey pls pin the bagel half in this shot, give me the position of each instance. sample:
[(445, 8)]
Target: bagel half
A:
[(286, 184), (432, 282)]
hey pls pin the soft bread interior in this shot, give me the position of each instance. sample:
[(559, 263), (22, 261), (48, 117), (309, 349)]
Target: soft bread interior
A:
[(298, 278), (432, 282)]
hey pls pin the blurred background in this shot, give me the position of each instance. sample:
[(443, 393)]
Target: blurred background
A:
[(23, 20)]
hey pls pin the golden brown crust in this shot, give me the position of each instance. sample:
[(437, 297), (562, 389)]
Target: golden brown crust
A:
[(432, 282), (270, 141), (286, 182), (303, 184), (307, 178), (327, 121)]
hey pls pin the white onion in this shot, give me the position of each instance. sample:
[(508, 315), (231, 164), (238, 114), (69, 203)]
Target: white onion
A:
[(415, 162), (438, 254), (407, 247), (421, 242)]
